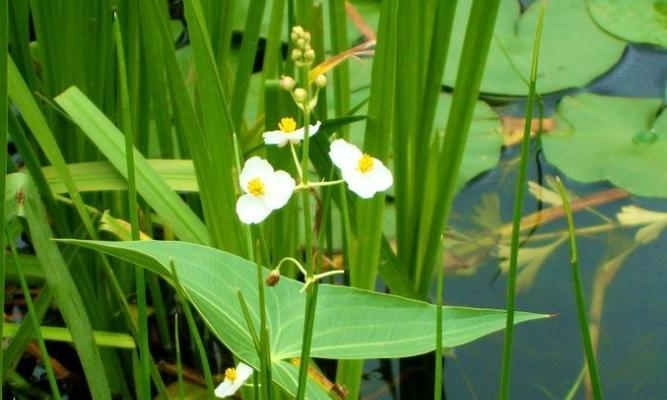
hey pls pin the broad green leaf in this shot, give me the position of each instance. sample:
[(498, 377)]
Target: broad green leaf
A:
[(59, 334), (350, 323), (619, 139), (641, 21), (109, 140), (574, 49)]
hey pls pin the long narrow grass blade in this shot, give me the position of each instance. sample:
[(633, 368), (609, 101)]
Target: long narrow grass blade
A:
[(379, 129), (60, 334), (219, 129), (473, 59), (246, 59), (591, 361), (66, 294), (144, 384), (4, 32), (32, 314), (518, 210)]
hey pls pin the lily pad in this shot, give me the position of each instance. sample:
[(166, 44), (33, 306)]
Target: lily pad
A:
[(641, 21), (574, 50), (349, 323), (612, 138)]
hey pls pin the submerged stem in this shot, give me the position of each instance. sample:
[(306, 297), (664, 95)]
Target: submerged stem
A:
[(579, 295)]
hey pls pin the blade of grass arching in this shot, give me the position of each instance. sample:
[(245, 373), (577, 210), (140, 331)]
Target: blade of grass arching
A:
[(341, 74), (22, 98), (109, 140), (365, 247), (471, 68), (218, 130), (520, 190), (65, 292), (32, 314), (246, 59), (4, 109), (144, 384), (591, 361), (192, 326)]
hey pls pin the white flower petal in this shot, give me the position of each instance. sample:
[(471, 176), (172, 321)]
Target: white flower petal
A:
[(255, 167), (359, 183), (252, 209), (344, 155), (225, 389), (281, 138), (243, 372), (380, 176), (228, 388), (275, 138), (279, 190), (314, 128)]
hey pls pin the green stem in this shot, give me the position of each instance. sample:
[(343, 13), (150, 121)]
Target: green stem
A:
[(179, 364), (593, 372), (516, 223), (33, 318), (140, 280), (307, 220), (192, 326), (264, 339)]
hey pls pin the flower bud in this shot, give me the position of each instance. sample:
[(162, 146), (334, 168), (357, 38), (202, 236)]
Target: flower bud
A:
[(306, 36), (309, 56), (300, 95), (273, 278), (300, 43), (287, 83), (297, 32), (321, 81), (297, 55)]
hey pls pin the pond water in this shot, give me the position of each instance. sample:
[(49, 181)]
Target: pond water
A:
[(548, 355)]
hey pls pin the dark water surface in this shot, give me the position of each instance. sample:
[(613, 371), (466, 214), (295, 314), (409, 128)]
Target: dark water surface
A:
[(548, 355)]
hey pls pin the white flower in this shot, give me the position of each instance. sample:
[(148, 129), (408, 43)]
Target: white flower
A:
[(234, 379), (265, 190), (287, 132), (364, 174)]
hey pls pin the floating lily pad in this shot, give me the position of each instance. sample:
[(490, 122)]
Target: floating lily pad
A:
[(613, 138), (574, 50), (641, 21)]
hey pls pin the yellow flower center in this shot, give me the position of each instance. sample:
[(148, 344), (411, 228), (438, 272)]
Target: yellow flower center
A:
[(287, 125), (365, 163), (256, 187), (230, 374)]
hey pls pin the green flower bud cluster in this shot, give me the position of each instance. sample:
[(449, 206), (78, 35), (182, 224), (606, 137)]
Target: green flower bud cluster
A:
[(303, 56)]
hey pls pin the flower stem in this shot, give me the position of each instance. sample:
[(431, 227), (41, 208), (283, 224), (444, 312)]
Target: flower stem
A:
[(311, 294)]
